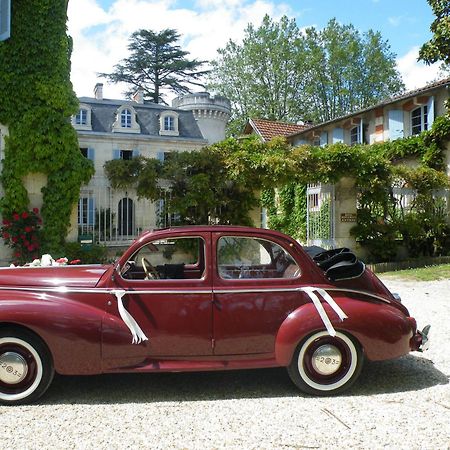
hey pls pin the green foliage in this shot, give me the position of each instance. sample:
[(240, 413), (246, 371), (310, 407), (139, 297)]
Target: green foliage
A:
[(438, 47), (93, 254), (281, 73), (347, 70), (286, 209), (218, 184), (263, 75), (21, 232), (156, 63), (37, 103)]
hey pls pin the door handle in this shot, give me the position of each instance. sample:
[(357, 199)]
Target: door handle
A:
[(217, 304)]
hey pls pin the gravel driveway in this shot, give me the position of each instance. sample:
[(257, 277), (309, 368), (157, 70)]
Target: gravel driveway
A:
[(401, 404)]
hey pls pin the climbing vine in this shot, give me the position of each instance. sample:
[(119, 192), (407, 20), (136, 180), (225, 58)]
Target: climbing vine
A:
[(36, 106)]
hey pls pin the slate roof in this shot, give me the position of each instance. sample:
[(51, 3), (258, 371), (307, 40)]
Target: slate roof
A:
[(268, 129), (103, 115), (429, 87)]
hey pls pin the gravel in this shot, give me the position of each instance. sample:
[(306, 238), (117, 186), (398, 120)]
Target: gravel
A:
[(401, 404)]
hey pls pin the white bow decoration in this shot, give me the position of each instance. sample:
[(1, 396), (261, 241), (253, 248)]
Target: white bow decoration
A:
[(136, 331), (312, 294)]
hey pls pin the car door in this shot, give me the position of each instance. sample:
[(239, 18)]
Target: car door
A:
[(171, 304), (254, 281)]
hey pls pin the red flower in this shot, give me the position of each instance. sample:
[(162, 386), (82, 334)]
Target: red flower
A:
[(6, 222), (30, 248), (23, 237), (17, 254), (36, 210), (24, 215), (6, 236), (16, 217), (15, 239), (28, 229)]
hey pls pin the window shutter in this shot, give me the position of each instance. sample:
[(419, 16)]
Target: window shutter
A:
[(91, 211), (396, 130), (91, 154), (338, 135), (5, 19), (136, 153), (160, 156), (430, 112), (116, 154), (323, 138)]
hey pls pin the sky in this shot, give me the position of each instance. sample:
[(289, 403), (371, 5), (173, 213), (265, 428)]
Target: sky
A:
[(100, 29)]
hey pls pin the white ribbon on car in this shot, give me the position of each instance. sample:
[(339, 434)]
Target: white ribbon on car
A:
[(138, 335), (312, 292)]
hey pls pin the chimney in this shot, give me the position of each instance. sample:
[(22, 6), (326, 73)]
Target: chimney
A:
[(138, 96), (98, 91)]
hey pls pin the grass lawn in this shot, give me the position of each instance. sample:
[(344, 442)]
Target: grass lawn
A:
[(429, 273)]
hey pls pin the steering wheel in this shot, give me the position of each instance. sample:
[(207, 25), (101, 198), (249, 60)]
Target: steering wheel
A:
[(150, 272)]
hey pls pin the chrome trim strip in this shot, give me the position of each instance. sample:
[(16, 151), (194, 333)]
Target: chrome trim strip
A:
[(64, 290)]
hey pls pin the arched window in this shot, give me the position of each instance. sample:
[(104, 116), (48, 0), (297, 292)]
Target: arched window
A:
[(168, 123)]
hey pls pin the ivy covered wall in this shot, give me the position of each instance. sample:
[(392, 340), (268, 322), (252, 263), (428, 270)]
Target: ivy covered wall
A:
[(36, 103)]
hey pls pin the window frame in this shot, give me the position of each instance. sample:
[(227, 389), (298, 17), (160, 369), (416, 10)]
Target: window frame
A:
[(299, 271), (422, 116)]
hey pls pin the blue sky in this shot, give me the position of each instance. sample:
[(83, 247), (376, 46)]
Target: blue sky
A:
[(100, 28)]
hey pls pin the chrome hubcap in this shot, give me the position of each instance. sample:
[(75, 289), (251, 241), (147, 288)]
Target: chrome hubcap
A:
[(327, 359), (13, 368)]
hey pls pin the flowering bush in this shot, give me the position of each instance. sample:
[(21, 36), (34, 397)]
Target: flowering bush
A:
[(21, 232)]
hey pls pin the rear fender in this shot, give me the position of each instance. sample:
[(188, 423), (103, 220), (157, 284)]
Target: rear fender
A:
[(71, 330), (382, 330)]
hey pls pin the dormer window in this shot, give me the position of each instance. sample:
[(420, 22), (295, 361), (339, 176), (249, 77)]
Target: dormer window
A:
[(125, 118), (81, 117), (82, 120), (168, 123), (126, 121)]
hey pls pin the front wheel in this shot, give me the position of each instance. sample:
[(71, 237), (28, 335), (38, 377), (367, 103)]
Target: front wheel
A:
[(326, 365), (26, 367)]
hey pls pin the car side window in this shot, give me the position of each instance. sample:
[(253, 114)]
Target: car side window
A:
[(250, 257), (169, 259)]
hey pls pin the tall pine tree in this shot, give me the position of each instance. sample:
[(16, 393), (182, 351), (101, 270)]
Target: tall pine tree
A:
[(156, 64)]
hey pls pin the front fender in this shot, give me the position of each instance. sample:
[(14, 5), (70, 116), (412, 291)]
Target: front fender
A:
[(70, 329), (383, 331)]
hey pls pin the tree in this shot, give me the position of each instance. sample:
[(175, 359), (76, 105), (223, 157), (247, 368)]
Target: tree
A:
[(282, 74), (155, 64), (263, 75), (438, 47), (347, 71)]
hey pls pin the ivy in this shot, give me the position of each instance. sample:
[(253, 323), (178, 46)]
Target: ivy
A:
[(37, 103)]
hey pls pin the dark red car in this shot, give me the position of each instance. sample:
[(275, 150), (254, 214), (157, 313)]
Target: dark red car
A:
[(200, 298)]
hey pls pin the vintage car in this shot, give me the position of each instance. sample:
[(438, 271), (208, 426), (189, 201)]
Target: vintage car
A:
[(197, 299)]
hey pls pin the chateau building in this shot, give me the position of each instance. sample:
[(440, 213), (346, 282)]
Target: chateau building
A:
[(118, 129)]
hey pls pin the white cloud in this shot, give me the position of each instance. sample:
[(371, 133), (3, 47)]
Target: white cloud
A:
[(416, 74), (101, 36)]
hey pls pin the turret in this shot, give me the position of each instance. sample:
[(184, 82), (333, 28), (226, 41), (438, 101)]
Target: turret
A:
[(211, 113)]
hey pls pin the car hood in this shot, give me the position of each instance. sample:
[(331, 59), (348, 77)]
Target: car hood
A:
[(70, 276)]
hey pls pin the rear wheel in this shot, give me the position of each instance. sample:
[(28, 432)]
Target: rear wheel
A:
[(26, 368), (326, 365)]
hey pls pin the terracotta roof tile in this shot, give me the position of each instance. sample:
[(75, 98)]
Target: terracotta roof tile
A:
[(268, 129)]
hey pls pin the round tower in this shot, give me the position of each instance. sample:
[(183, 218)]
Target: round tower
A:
[(211, 113)]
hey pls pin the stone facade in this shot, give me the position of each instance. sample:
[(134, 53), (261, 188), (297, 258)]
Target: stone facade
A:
[(123, 129)]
